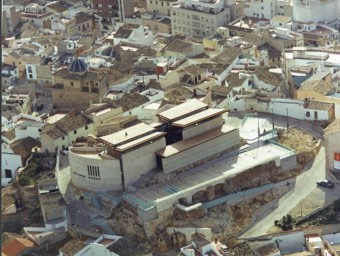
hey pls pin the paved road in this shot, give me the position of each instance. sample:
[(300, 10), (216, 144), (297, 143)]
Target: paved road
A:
[(305, 184), (281, 121)]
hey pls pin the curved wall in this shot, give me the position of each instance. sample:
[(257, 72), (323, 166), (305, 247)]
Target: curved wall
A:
[(82, 166)]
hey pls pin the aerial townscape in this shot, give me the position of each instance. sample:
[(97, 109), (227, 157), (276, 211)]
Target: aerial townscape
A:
[(170, 127)]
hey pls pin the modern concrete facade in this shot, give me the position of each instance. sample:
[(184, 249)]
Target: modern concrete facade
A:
[(198, 18), (113, 162), (180, 138)]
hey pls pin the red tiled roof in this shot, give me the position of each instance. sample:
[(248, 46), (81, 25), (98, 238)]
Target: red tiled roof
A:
[(16, 246)]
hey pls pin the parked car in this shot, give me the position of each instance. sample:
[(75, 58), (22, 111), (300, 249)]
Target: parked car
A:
[(325, 183), (40, 107)]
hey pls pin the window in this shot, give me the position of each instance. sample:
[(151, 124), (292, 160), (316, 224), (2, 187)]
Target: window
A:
[(62, 138), (93, 172), (39, 130), (29, 69), (30, 76), (75, 132), (8, 173), (86, 127), (71, 84)]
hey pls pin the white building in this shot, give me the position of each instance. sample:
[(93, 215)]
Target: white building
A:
[(262, 9), (10, 161), (160, 7), (65, 131), (133, 34), (198, 18), (37, 14), (315, 10), (27, 126)]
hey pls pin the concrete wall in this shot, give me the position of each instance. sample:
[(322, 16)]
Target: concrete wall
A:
[(141, 160), (9, 160), (110, 176), (28, 131), (288, 163), (201, 151), (332, 146), (53, 212), (315, 11), (199, 129)]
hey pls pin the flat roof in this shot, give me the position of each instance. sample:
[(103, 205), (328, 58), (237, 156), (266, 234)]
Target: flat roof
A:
[(210, 112), (201, 176), (183, 145), (182, 109), (139, 141), (127, 134)]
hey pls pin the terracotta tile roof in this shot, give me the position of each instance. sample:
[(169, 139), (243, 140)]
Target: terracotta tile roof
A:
[(228, 56), (131, 100), (65, 125), (319, 86), (268, 77), (318, 105), (234, 80), (59, 6), (179, 46), (16, 246), (9, 134), (23, 147), (194, 70), (177, 94)]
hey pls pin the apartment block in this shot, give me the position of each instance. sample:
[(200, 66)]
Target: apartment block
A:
[(198, 18), (160, 7)]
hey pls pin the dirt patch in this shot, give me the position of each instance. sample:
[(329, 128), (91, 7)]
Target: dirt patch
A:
[(303, 144)]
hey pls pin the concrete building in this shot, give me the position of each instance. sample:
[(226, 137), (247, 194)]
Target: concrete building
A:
[(131, 34), (263, 9), (315, 10), (10, 19), (157, 24), (108, 12), (36, 14), (193, 128), (15, 59), (106, 164), (332, 146), (9, 75), (14, 154), (198, 18), (98, 247), (160, 7), (180, 138), (27, 126), (53, 208)]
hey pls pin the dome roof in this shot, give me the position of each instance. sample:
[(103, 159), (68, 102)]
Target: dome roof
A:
[(77, 65)]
